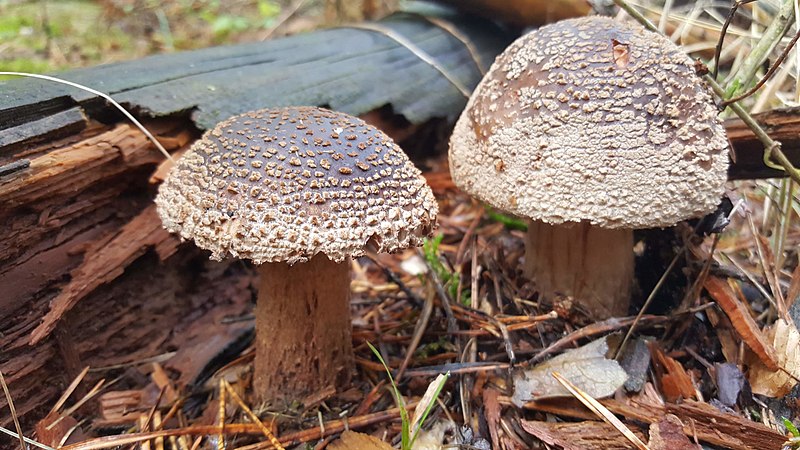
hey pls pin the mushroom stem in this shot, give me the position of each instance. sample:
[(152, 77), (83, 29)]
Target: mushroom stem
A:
[(592, 265), (303, 332)]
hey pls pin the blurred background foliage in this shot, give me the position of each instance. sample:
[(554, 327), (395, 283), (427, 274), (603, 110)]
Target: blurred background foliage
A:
[(50, 35)]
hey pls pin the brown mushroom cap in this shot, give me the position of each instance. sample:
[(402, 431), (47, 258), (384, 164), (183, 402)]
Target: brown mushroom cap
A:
[(592, 119), (285, 184)]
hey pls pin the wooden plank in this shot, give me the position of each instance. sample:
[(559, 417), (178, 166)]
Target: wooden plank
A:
[(350, 69)]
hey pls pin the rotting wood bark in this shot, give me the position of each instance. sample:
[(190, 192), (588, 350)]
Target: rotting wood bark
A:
[(701, 419), (348, 69), (782, 125)]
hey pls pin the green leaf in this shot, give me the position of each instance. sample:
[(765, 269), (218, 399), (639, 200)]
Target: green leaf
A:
[(790, 427)]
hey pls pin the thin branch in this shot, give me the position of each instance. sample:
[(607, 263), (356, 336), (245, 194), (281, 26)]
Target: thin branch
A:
[(724, 31), (772, 69)]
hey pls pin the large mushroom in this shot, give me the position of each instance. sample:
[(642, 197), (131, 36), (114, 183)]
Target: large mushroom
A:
[(298, 191), (591, 128)]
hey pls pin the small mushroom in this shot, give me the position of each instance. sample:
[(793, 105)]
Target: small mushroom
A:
[(299, 191), (591, 128)]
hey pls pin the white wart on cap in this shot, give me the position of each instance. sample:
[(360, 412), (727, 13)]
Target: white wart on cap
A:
[(285, 184), (592, 120)]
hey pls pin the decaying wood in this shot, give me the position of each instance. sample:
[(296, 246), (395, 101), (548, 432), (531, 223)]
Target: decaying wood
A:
[(106, 260), (675, 383), (699, 419), (353, 70), (782, 125), (588, 435)]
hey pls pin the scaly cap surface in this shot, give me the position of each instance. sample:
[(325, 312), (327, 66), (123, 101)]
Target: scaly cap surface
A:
[(285, 184), (592, 119)]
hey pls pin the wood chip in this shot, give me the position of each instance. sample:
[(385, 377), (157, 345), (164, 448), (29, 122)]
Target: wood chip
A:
[(587, 435)]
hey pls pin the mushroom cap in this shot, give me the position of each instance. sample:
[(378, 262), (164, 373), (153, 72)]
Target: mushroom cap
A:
[(594, 120), (285, 184)]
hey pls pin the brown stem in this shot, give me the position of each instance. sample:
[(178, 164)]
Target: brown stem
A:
[(591, 264), (303, 332)]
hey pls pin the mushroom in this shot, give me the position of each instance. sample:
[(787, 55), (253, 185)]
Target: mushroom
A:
[(591, 128), (298, 191)]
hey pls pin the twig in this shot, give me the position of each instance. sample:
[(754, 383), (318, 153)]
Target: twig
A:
[(724, 31), (649, 300), (766, 44), (772, 69), (419, 330), (600, 410)]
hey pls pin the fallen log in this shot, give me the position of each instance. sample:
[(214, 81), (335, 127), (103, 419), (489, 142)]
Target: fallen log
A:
[(524, 12)]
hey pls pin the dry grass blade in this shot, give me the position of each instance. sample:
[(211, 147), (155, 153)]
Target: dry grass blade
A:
[(27, 441), (13, 411), (413, 48), (601, 411), (447, 26), (273, 440), (221, 412), (95, 390), (99, 94), (70, 389)]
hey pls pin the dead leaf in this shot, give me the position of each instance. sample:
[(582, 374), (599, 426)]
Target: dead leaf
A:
[(430, 396), (667, 434), (492, 412), (742, 321), (777, 383), (730, 382), (675, 382), (350, 440), (587, 367)]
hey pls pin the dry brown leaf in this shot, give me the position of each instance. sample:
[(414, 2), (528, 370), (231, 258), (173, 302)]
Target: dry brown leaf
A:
[(741, 320), (777, 383), (350, 440), (587, 367), (675, 383), (428, 398)]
